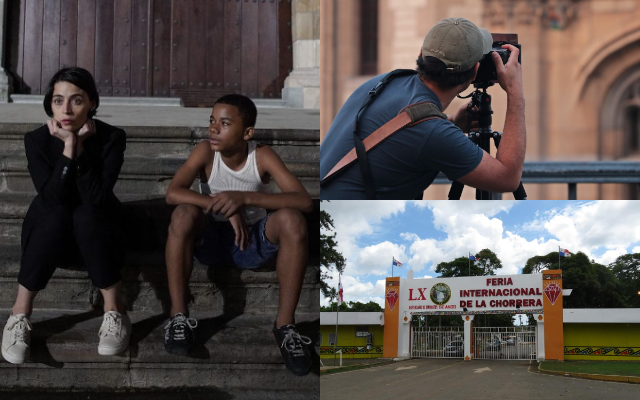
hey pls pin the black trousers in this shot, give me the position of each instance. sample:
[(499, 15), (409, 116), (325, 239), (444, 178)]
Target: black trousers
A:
[(86, 233)]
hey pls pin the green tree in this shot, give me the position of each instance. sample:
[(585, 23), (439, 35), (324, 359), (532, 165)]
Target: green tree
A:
[(594, 285), (329, 257), (356, 306), (487, 262), (627, 269)]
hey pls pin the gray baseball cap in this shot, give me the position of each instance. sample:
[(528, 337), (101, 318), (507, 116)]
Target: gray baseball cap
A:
[(458, 43)]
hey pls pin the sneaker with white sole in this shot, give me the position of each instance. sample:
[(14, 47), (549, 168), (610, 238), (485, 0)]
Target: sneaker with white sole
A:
[(115, 333), (16, 339), (178, 334), (294, 349)]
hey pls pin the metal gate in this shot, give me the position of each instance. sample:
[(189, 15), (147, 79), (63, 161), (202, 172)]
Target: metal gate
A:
[(440, 342), (505, 343)]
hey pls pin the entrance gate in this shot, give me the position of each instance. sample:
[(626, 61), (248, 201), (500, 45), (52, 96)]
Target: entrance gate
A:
[(505, 343), (437, 342)]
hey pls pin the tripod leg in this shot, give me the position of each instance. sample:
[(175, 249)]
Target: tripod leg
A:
[(456, 190)]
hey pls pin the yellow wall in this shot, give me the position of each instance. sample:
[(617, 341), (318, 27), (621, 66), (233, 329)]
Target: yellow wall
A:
[(352, 346), (604, 342)]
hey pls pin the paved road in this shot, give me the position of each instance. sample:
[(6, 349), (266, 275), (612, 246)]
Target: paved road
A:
[(455, 379)]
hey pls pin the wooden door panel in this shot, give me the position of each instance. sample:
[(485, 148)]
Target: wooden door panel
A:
[(68, 33), (250, 38), (180, 47), (86, 35), (197, 44), (122, 48), (268, 45), (232, 44), (50, 42), (33, 46), (161, 47), (140, 39), (104, 46), (215, 44)]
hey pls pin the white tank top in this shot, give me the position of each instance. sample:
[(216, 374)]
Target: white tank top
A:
[(224, 179)]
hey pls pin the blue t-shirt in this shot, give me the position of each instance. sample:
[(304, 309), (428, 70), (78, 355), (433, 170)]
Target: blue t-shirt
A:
[(407, 162)]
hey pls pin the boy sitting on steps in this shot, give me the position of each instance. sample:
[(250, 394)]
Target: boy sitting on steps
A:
[(228, 223)]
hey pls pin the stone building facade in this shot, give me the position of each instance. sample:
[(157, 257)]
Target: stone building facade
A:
[(580, 62)]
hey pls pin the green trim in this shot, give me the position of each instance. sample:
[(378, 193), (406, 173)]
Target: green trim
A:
[(602, 351), (325, 350)]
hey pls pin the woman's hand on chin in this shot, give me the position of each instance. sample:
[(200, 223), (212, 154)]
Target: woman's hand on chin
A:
[(87, 130), (56, 130)]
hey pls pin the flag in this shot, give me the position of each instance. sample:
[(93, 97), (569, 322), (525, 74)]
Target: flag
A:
[(339, 289), (396, 263), (472, 258), (565, 253)]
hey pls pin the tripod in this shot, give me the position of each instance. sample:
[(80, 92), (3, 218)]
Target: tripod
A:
[(482, 138)]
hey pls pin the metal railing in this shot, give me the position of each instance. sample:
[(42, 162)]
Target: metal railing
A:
[(437, 342), (573, 173), (505, 343)]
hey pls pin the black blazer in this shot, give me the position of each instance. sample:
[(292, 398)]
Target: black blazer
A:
[(89, 178)]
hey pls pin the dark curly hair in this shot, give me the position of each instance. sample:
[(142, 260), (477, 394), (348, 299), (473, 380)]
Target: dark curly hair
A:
[(79, 77), (246, 107), (434, 70)]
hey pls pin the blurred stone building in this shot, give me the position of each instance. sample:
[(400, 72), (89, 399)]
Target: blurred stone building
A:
[(580, 62)]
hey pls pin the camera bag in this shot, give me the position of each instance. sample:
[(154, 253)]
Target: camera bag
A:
[(412, 114)]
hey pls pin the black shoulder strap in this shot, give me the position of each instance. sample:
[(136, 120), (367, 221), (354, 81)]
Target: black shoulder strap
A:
[(361, 153), (408, 116)]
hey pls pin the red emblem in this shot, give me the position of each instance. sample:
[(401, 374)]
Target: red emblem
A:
[(392, 298), (552, 292)]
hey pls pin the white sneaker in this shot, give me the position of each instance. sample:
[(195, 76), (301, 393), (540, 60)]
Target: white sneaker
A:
[(16, 339), (115, 333)]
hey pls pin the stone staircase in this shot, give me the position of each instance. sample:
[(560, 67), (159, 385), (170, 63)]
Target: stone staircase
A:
[(235, 353)]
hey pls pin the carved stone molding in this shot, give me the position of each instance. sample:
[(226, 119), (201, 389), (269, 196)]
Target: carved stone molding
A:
[(551, 14)]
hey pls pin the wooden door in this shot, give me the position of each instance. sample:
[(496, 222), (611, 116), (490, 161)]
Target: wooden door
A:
[(161, 48)]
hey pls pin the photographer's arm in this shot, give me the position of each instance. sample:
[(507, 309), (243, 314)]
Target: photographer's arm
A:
[(504, 172)]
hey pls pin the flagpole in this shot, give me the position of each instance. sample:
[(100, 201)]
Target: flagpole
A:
[(469, 257), (335, 345), (559, 257), (392, 259)]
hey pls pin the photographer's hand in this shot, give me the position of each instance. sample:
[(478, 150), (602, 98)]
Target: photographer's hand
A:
[(461, 119), (509, 74)]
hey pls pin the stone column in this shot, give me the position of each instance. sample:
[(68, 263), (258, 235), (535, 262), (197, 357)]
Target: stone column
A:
[(302, 86), (540, 335), (468, 336), (5, 79)]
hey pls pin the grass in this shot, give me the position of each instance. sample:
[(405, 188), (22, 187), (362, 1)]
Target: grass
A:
[(594, 367)]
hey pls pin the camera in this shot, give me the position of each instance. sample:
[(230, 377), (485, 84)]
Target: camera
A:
[(487, 72)]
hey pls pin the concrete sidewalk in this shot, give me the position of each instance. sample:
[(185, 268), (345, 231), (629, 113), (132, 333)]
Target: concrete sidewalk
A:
[(141, 115)]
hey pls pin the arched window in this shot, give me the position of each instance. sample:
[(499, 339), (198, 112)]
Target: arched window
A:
[(630, 107)]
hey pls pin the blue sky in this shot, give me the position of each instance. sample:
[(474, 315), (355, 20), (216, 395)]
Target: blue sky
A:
[(424, 233)]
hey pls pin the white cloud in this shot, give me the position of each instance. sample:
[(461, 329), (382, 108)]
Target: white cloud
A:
[(636, 249), (411, 237), (376, 259)]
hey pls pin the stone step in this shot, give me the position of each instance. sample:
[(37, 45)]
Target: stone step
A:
[(147, 218), (160, 141), (232, 352), (145, 286), (143, 175)]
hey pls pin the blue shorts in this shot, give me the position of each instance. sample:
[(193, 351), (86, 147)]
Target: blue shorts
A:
[(216, 246)]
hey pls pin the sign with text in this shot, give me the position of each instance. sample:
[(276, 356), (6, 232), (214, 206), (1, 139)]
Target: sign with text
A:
[(475, 293)]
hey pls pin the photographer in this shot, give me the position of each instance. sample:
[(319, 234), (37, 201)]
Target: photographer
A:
[(406, 163)]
